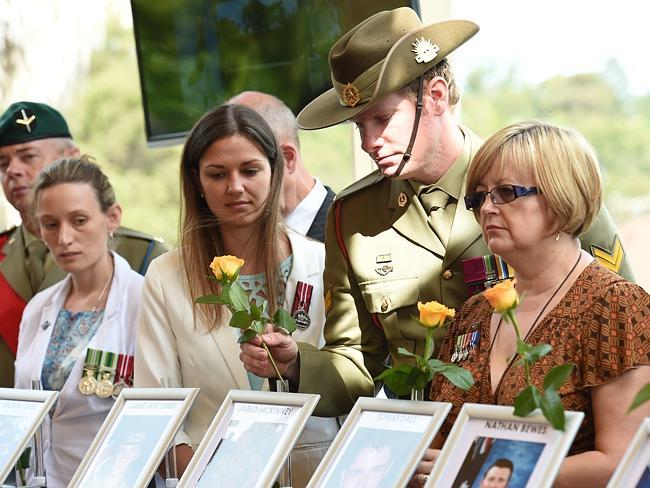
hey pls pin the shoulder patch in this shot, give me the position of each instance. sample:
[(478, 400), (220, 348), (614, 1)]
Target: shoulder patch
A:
[(358, 185), (611, 258)]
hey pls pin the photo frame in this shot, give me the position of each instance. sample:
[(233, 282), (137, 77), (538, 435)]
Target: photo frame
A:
[(21, 414), (634, 468), (257, 429), (489, 440), (381, 439), (134, 438)]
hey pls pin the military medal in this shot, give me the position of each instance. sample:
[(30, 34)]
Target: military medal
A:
[(88, 382), (104, 387), (301, 304), (481, 272), (455, 355), (123, 374)]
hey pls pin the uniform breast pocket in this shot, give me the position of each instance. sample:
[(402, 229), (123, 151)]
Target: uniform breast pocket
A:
[(386, 296)]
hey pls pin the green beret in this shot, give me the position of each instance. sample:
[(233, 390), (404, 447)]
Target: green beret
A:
[(29, 121)]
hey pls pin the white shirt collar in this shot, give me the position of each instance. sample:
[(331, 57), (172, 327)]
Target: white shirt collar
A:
[(301, 218)]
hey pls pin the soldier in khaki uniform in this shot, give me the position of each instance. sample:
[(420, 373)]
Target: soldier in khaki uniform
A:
[(32, 135), (399, 235)]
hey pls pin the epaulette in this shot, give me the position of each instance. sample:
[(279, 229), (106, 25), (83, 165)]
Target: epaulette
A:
[(359, 185), (126, 232)]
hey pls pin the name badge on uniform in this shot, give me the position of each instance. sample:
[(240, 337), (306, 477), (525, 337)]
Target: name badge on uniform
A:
[(104, 388), (123, 374), (88, 381), (301, 304)]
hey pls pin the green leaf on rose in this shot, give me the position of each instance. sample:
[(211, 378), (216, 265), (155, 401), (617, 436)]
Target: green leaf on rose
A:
[(552, 408), (238, 298), (405, 352), (556, 377), (258, 326), (404, 378), (247, 335), (240, 320), (527, 401), (284, 320), (640, 398), (256, 312), (460, 377)]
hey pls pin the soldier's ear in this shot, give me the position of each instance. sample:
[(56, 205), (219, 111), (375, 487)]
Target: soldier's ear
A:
[(436, 96), (71, 152)]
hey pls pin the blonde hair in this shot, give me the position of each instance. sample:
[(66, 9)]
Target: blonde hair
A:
[(560, 161), (200, 231)]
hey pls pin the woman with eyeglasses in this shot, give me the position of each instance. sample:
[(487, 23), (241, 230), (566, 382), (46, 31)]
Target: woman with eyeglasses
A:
[(534, 188)]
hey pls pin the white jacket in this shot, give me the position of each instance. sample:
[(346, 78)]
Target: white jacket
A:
[(172, 342), (76, 418)]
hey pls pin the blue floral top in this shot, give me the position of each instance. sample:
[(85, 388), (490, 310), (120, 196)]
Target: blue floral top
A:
[(70, 335), (256, 286)]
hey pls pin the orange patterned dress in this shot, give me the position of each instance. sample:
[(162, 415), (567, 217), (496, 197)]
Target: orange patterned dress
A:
[(602, 325)]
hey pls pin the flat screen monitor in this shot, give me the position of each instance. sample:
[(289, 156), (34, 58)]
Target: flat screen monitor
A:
[(195, 54)]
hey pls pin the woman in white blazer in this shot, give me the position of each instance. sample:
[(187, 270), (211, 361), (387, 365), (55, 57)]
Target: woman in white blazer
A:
[(93, 309), (231, 180)]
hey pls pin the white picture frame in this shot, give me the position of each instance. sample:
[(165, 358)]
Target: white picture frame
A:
[(483, 434), (257, 429), (634, 469), (134, 438), (381, 438), (21, 414)]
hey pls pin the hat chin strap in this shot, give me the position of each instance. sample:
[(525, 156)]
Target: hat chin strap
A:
[(414, 132)]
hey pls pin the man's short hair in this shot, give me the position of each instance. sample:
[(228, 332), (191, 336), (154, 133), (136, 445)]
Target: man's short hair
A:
[(501, 463), (442, 70)]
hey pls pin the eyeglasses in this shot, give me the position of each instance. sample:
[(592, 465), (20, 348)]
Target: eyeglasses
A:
[(499, 194)]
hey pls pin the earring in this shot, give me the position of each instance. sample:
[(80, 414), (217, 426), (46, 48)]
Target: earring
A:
[(111, 235), (202, 195), (557, 238)]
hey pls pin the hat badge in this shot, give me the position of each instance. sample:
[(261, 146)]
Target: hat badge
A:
[(26, 120), (424, 50), (351, 95)]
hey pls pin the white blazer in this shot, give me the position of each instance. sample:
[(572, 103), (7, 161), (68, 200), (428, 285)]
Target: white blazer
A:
[(76, 418), (172, 342)]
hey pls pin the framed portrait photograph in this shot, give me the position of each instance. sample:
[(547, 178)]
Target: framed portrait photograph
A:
[(634, 469), (134, 438), (21, 414), (380, 444), (490, 446), (249, 439)]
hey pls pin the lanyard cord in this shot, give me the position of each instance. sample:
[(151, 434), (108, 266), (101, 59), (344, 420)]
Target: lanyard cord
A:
[(496, 391)]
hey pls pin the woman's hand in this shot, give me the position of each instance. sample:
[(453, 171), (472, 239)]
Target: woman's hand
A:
[(423, 470), (283, 349)]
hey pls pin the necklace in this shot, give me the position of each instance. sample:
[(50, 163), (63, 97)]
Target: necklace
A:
[(532, 327), (101, 293)]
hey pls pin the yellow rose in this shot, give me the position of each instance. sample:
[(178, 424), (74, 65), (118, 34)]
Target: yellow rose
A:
[(434, 314), (226, 265), (502, 296)]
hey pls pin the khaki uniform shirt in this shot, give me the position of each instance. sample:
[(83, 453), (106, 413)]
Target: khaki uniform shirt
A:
[(393, 261)]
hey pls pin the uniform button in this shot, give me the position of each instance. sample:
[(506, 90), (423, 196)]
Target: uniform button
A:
[(384, 304), (447, 274)]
